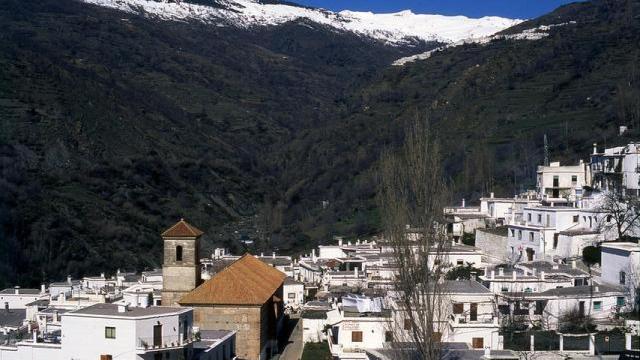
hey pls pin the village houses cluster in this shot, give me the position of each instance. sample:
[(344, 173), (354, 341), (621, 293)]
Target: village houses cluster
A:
[(525, 271)]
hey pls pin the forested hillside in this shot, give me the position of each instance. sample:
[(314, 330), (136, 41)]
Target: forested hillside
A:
[(114, 126)]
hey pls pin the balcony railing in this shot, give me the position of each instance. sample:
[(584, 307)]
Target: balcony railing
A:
[(466, 319), (165, 342)]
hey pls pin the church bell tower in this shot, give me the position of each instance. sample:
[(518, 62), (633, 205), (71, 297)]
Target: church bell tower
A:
[(181, 265)]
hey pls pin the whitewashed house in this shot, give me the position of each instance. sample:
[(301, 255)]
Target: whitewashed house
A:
[(18, 298), (117, 331), (621, 266), (293, 292), (617, 169), (556, 183)]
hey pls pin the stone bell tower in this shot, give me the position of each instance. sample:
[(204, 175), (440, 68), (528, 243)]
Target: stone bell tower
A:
[(181, 265)]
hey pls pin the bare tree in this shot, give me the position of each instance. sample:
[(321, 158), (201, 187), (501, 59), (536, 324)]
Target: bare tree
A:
[(413, 191), (621, 213)]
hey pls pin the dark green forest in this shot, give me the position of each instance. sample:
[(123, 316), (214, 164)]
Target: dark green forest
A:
[(113, 126)]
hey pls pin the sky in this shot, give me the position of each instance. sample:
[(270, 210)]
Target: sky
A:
[(522, 9)]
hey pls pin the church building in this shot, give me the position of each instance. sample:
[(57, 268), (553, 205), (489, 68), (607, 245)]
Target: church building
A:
[(246, 296)]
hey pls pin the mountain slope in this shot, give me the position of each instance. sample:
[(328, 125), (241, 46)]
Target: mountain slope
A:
[(114, 126), (492, 103)]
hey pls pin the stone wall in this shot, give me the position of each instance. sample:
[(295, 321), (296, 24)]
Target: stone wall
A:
[(494, 243), (246, 320)]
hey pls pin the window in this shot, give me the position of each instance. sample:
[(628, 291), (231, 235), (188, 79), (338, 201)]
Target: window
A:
[(623, 277), (504, 289), (531, 236), (109, 332), (407, 324), (459, 262), (608, 218), (540, 218), (178, 253), (458, 308), (513, 233), (529, 217), (106, 357), (356, 336), (477, 343), (388, 336), (555, 240), (519, 234), (620, 301), (576, 218), (597, 305), (291, 295), (574, 179)]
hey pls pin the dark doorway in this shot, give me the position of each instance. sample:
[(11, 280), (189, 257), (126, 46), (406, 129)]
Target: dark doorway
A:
[(473, 312), (530, 254), (157, 335)]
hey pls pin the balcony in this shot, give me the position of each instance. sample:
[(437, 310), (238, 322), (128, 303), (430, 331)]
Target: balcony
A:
[(465, 320), (149, 344)]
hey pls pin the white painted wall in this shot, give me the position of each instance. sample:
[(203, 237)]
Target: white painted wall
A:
[(17, 301)]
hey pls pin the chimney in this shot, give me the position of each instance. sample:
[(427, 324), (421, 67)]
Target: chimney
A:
[(273, 255), (122, 308), (43, 288), (63, 295), (573, 264), (595, 148), (492, 194), (102, 275), (340, 241), (313, 255), (596, 289), (534, 271), (500, 271), (514, 274), (542, 275), (118, 272), (493, 274), (69, 279), (261, 254), (463, 203), (16, 290)]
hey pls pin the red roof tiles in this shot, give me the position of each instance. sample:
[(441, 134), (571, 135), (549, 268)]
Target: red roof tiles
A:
[(182, 229), (247, 281)]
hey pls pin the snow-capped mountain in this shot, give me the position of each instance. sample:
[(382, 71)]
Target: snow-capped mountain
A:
[(394, 28)]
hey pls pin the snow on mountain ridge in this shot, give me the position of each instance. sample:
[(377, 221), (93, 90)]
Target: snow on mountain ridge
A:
[(393, 28)]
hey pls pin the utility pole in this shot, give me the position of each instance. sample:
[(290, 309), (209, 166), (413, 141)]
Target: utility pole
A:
[(546, 151)]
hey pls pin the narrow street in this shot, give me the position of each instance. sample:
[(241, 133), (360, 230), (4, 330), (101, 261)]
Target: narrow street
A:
[(293, 346)]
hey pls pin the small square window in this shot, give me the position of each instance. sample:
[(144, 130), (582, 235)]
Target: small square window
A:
[(460, 263), (109, 332), (407, 324), (576, 218), (597, 305), (356, 336), (620, 301)]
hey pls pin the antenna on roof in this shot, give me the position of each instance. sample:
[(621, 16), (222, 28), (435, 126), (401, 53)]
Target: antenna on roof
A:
[(546, 151)]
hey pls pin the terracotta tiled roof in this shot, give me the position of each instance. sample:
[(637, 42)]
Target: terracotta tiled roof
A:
[(247, 281), (182, 229)]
